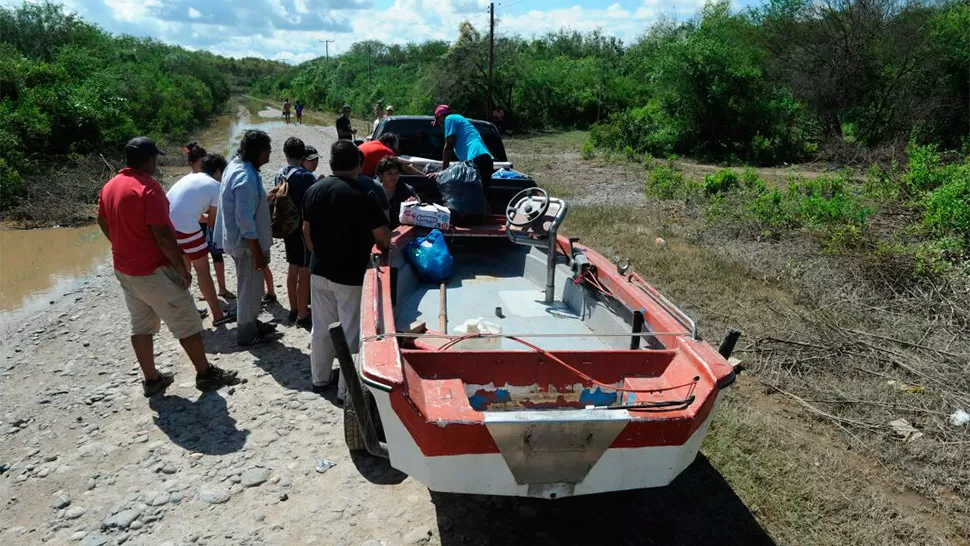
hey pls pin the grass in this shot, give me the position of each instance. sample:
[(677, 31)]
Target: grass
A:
[(807, 479)]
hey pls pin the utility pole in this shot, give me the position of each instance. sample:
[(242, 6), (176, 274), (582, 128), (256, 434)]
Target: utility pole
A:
[(327, 44), (491, 59)]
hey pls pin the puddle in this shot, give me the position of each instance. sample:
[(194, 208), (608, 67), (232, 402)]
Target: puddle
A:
[(36, 263)]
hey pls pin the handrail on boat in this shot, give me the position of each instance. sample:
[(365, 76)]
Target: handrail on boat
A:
[(415, 335), (379, 300), (678, 314)]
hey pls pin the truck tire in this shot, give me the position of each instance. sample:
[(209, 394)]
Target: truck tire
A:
[(353, 434)]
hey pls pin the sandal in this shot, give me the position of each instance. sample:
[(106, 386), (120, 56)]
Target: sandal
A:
[(226, 319), (269, 298), (227, 295)]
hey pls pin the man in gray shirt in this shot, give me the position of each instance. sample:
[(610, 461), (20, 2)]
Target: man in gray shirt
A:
[(243, 226)]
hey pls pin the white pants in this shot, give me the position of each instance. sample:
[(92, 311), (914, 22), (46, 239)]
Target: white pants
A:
[(332, 302)]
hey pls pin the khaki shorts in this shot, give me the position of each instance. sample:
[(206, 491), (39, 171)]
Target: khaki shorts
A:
[(159, 297)]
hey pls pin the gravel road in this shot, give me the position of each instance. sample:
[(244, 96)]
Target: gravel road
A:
[(86, 459)]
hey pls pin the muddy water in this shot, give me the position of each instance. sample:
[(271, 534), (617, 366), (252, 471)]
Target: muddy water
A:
[(38, 265), (32, 262)]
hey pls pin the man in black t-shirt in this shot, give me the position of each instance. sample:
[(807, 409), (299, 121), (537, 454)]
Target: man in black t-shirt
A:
[(344, 130), (341, 223)]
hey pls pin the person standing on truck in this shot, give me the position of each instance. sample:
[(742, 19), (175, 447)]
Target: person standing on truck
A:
[(341, 224), (344, 130), (133, 213), (464, 140), (376, 150)]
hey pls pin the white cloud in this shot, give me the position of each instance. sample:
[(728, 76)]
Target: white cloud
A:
[(291, 29)]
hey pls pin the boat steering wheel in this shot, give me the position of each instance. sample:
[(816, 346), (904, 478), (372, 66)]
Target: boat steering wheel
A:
[(524, 204)]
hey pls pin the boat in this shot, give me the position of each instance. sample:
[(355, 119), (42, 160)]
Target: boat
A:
[(584, 378)]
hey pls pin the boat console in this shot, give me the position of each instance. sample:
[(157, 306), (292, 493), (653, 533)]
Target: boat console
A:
[(533, 218)]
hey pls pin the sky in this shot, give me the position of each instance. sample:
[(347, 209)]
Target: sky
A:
[(292, 30)]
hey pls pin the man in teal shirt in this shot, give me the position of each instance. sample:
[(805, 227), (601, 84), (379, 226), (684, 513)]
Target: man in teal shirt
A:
[(462, 138)]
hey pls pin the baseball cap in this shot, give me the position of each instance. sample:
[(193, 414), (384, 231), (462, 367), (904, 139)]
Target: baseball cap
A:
[(311, 154), (142, 145), (346, 107), (440, 110), (389, 108)]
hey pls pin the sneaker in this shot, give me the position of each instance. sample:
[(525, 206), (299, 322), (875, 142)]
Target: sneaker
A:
[(157, 385), (305, 322), (291, 317), (215, 379), (320, 389)]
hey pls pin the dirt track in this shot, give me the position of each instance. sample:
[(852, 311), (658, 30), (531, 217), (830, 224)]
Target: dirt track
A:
[(92, 461)]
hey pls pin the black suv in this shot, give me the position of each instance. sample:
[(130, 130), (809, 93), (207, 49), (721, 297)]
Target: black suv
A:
[(418, 138)]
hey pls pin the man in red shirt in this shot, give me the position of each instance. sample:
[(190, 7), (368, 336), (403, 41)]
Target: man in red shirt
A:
[(376, 150), (133, 213)]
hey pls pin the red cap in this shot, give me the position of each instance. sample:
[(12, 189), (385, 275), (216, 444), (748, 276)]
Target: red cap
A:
[(439, 111)]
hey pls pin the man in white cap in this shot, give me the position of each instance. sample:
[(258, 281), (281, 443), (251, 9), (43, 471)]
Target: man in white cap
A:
[(388, 112)]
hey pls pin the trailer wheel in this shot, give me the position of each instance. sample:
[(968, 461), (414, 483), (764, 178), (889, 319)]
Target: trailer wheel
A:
[(353, 434)]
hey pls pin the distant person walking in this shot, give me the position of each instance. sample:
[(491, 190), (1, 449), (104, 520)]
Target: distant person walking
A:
[(341, 224), (299, 111), (344, 129), (286, 110), (195, 155), (243, 226), (298, 181), (464, 140), (133, 214), (194, 196)]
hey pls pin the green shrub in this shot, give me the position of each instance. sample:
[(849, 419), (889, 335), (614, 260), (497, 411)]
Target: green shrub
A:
[(926, 171), (667, 182), (826, 200), (948, 207), (589, 151), (772, 211), (722, 181)]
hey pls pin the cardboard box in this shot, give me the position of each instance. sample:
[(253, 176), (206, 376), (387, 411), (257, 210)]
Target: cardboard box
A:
[(425, 215)]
